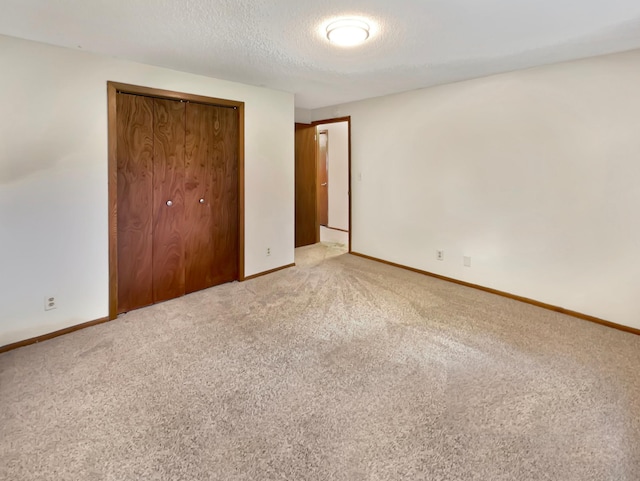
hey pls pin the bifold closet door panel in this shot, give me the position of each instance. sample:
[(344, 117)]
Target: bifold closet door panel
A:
[(225, 195), (211, 203), (135, 191), (168, 199), (199, 269)]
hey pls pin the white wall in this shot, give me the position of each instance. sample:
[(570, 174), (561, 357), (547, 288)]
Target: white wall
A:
[(338, 165), (534, 174), (53, 179), (303, 116)]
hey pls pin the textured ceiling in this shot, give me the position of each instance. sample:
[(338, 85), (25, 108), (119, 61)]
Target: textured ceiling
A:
[(279, 44)]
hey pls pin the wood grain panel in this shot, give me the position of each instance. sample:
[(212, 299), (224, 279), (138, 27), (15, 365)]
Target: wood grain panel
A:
[(198, 185), (113, 90), (211, 175), (224, 193), (305, 186), (134, 211), (168, 185)]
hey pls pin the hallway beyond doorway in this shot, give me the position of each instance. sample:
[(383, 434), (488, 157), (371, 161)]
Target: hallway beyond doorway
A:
[(328, 234), (336, 236)]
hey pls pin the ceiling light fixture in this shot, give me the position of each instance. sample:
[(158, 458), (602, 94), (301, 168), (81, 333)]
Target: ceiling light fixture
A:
[(347, 32)]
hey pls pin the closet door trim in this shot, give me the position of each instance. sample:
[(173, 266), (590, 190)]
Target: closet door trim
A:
[(112, 90)]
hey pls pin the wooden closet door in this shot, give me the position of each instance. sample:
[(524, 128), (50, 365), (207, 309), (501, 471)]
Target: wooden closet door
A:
[(135, 211), (211, 196), (199, 267), (168, 200), (225, 195)]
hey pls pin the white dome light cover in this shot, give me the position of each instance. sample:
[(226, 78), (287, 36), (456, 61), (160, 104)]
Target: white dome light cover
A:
[(347, 32)]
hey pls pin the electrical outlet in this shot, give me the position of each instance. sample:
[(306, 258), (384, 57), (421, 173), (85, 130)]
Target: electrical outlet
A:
[(268, 251), (440, 255), (466, 260), (50, 303)]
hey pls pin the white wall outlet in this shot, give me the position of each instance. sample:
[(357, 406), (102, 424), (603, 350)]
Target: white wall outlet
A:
[(466, 260), (50, 303), (440, 255), (268, 251)]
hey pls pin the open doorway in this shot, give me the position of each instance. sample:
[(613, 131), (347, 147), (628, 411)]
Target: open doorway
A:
[(323, 204), (333, 182)]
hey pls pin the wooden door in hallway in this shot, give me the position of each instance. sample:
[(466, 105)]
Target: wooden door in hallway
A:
[(306, 229), (323, 178)]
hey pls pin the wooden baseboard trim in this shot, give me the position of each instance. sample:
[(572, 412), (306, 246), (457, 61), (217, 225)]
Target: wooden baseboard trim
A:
[(77, 327), (336, 228), (508, 295), (260, 274), (51, 335)]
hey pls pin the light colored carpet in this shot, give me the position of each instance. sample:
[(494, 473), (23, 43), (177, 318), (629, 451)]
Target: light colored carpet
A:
[(338, 369)]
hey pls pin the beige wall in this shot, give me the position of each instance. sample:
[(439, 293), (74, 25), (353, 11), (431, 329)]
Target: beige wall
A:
[(533, 174), (53, 179)]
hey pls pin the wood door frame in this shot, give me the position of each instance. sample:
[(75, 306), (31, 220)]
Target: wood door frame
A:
[(337, 120), (112, 90)]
